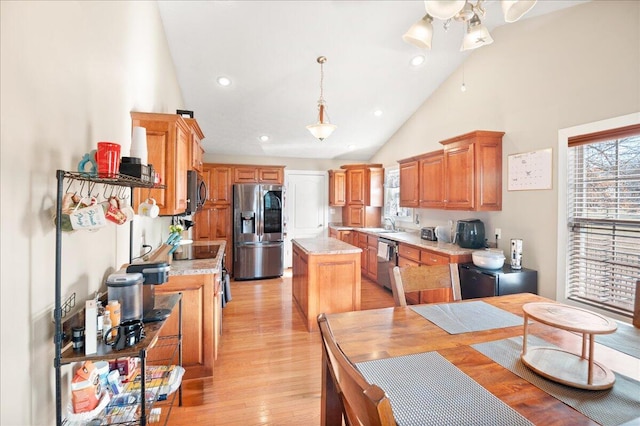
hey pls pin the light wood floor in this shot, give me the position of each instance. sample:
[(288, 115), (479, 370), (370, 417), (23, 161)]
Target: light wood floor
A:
[(268, 367)]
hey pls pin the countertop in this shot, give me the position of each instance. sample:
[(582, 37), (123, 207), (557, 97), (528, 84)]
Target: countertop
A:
[(192, 267), (325, 245), (410, 237)]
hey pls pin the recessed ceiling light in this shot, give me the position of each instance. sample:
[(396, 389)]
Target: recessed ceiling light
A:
[(223, 81), (418, 60), (377, 112), (351, 147), (264, 138)]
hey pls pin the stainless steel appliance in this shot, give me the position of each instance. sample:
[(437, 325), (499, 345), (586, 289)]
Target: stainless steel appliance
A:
[(197, 192), (387, 259), (258, 239), (479, 282), (470, 233), (428, 233)]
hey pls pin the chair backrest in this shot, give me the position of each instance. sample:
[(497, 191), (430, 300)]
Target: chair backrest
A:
[(438, 283), (363, 403), (636, 308)]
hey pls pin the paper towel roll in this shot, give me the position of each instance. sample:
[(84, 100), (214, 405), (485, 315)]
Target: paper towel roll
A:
[(139, 144)]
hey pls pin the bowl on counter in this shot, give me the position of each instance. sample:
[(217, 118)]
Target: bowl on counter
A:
[(488, 259)]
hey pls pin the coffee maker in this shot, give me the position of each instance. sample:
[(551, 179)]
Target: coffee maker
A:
[(154, 273)]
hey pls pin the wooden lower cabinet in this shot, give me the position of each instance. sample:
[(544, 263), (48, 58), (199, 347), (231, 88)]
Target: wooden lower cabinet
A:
[(326, 283), (369, 256), (347, 235), (201, 320)]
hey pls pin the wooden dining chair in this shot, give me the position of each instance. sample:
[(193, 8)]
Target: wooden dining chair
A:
[(425, 284), (362, 403)]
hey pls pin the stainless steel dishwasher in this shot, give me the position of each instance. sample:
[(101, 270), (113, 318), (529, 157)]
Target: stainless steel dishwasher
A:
[(387, 259)]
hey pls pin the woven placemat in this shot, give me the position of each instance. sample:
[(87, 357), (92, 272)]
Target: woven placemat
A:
[(426, 389), (626, 339), (610, 407), (457, 318)]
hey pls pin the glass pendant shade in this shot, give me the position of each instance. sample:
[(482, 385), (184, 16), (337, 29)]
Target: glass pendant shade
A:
[(420, 33), (321, 130), (477, 35), (443, 9), (515, 9)]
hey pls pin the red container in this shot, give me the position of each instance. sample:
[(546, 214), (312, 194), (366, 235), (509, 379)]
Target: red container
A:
[(108, 159)]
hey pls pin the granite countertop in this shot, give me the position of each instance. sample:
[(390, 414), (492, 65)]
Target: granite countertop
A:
[(325, 246), (411, 237), (197, 266)]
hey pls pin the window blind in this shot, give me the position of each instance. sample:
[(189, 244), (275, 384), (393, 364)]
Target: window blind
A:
[(603, 253)]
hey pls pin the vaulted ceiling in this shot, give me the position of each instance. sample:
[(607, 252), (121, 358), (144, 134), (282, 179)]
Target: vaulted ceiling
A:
[(268, 50)]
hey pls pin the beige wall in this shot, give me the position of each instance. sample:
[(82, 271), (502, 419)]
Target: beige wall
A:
[(539, 76), (71, 73)]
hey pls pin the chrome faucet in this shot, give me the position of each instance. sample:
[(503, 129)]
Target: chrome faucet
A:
[(393, 223)]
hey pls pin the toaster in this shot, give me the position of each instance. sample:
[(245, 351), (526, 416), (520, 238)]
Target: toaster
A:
[(428, 233)]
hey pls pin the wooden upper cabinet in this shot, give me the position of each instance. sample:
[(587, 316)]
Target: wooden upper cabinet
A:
[(195, 150), (168, 147), (473, 171), (337, 188), (431, 184), (258, 174), (364, 185), (218, 179), (409, 178), (466, 175)]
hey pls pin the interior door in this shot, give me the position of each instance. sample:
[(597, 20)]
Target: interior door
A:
[(306, 207)]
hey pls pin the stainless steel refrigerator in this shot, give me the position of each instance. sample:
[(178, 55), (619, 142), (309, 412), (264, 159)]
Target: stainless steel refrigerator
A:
[(258, 240)]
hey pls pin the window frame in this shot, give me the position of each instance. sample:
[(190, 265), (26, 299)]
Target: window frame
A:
[(564, 135)]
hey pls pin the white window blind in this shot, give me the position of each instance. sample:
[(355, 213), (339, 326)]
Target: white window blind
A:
[(603, 253)]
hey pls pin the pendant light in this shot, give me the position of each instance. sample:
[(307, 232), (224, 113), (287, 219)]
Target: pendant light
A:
[(322, 129)]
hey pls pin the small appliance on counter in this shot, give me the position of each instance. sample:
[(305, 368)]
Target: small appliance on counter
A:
[(470, 234), (127, 289), (428, 233), (516, 254), (154, 273)]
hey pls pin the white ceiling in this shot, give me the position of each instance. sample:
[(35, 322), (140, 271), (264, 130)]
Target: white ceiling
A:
[(269, 49)]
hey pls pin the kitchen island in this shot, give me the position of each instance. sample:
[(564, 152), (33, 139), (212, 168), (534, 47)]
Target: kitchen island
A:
[(326, 277)]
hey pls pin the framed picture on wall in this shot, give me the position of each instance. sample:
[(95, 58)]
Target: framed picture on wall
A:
[(531, 170)]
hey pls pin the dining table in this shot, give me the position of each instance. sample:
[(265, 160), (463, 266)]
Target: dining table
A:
[(393, 342)]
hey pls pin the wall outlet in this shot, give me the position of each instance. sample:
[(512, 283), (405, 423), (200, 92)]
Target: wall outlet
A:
[(498, 233)]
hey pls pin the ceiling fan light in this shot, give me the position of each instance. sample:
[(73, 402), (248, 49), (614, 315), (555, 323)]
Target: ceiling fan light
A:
[(421, 33), (515, 9), (321, 131), (476, 36), (443, 9)]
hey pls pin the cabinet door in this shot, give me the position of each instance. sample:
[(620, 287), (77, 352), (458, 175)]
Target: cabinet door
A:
[(202, 225), (337, 187), (431, 183), (459, 177), (198, 318), (271, 175), (357, 186), (360, 241), (219, 184), (168, 147), (372, 255), (221, 222), (245, 174), (353, 215), (409, 187), (489, 174)]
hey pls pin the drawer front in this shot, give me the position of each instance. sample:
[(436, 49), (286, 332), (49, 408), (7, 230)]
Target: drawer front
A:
[(373, 241), (403, 261), (409, 252), (431, 258), (362, 238)]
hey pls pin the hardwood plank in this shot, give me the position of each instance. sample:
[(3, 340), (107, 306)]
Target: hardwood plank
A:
[(268, 367)]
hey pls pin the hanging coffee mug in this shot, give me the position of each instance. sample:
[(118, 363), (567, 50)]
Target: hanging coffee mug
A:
[(149, 208)]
